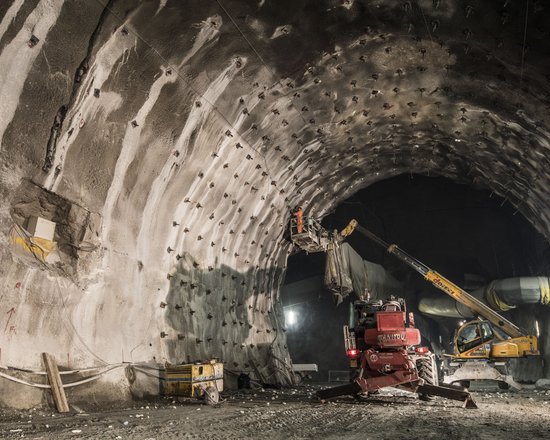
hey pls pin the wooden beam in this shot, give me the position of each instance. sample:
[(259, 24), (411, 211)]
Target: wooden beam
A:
[(54, 379)]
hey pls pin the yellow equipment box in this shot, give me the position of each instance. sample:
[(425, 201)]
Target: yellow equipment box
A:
[(200, 380)]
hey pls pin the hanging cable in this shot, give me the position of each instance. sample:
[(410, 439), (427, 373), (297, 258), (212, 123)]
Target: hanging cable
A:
[(254, 50), (524, 41), (425, 22)]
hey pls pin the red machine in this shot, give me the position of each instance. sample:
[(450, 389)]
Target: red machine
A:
[(382, 353), (381, 342)]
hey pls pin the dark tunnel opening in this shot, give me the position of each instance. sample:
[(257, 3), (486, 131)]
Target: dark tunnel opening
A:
[(468, 234)]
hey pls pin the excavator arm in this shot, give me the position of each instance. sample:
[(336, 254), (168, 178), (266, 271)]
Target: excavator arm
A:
[(439, 281)]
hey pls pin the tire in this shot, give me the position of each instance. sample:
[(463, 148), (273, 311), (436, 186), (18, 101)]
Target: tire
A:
[(211, 396), (503, 385), (427, 370)]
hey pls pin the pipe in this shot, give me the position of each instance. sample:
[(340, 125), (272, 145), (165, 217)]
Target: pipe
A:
[(508, 293), (501, 295), (96, 376), (443, 306)]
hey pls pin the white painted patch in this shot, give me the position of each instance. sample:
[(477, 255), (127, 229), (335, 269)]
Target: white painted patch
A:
[(10, 15), (17, 58)]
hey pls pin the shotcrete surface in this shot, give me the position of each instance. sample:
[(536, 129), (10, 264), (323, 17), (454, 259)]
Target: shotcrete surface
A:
[(188, 130)]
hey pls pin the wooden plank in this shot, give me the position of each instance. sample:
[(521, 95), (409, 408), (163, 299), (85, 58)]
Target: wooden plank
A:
[(54, 379)]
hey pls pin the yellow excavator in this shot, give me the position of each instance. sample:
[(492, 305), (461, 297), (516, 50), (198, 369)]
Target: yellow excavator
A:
[(481, 346)]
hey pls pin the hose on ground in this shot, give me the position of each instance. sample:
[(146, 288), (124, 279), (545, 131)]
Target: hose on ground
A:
[(65, 372), (23, 382), (103, 370)]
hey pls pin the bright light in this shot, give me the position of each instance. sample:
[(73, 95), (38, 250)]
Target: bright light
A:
[(353, 353), (537, 328), (290, 317), (461, 323)]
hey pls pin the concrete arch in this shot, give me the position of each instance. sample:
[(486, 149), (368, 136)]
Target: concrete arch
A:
[(174, 134)]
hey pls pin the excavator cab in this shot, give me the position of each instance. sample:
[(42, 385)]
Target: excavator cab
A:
[(473, 339)]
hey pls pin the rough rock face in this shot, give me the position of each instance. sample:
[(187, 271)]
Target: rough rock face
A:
[(169, 140)]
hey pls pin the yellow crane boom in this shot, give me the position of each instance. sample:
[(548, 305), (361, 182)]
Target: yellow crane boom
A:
[(475, 305)]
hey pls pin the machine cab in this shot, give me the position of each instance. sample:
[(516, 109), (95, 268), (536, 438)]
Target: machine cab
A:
[(474, 339)]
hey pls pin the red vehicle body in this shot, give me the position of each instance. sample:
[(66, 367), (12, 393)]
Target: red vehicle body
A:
[(381, 347)]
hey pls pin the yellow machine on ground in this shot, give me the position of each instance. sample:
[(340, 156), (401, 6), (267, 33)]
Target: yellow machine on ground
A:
[(201, 380), (481, 346)]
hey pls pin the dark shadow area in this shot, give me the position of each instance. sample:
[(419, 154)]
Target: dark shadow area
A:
[(452, 228), (314, 327), (218, 312)]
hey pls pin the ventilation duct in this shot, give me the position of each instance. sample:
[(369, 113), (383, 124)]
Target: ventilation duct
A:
[(501, 295)]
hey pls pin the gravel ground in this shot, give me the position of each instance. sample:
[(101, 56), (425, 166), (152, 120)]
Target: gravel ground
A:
[(294, 414)]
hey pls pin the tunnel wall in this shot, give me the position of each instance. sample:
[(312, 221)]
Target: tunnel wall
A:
[(168, 143)]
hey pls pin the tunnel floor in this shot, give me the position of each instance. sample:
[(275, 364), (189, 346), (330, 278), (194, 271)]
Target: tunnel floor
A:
[(294, 414)]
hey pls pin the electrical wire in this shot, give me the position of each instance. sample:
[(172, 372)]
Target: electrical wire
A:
[(67, 385), (146, 372), (254, 50), (524, 40), (24, 382), (238, 373), (65, 372), (425, 22), (244, 36)]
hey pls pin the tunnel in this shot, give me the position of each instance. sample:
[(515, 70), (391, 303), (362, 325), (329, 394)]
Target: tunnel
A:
[(152, 153), (468, 234)]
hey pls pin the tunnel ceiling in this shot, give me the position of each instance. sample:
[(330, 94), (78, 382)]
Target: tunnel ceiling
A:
[(486, 237), (311, 100), (169, 139)]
